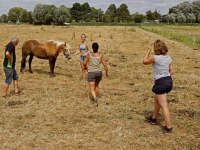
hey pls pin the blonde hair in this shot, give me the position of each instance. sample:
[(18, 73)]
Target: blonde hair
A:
[(84, 35), (160, 47)]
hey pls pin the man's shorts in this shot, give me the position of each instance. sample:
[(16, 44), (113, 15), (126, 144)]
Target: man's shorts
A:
[(82, 58), (10, 74), (94, 76), (163, 85)]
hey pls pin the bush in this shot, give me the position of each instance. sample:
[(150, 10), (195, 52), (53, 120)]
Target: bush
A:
[(88, 20), (93, 21), (73, 21), (125, 21)]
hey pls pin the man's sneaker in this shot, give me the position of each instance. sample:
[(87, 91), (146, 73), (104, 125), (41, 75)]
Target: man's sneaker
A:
[(165, 129), (151, 120)]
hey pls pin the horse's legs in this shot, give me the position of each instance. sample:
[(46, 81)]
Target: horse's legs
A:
[(30, 60), (23, 62), (54, 62), (52, 65)]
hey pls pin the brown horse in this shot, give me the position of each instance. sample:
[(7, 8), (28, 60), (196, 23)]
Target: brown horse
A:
[(49, 50)]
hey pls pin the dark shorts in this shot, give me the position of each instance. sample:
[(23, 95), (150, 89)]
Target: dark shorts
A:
[(163, 85), (11, 74), (82, 58), (94, 76)]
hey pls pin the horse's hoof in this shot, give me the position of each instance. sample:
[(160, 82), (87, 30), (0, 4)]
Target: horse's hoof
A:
[(31, 71), (52, 75)]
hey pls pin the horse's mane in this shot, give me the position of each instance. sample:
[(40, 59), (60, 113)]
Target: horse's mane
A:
[(57, 43)]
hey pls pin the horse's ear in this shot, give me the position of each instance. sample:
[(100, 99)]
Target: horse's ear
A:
[(65, 43)]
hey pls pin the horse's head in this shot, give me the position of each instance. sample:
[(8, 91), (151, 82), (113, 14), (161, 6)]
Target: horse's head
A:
[(65, 48)]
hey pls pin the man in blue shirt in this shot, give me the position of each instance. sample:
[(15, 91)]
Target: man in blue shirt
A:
[(9, 66)]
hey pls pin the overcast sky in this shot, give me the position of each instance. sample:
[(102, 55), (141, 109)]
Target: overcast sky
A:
[(140, 6)]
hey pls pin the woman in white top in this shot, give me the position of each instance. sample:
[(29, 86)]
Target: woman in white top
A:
[(163, 69), (84, 49)]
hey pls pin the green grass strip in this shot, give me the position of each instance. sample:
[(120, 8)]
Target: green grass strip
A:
[(193, 41)]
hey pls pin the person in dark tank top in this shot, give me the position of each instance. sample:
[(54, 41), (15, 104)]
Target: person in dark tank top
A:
[(163, 69), (84, 49), (94, 77)]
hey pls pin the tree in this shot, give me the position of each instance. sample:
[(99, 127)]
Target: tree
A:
[(4, 18), (39, 14), (29, 17), (43, 14), (185, 8), (61, 15), (48, 19), (196, 8), (150, 15), (181, 18), (14, 13), (86, 10), (199, 18), (138, 17), (191, 18), (123, 13), (50, 9), (156, 14), (113, 12), (96, 14), (23, 17), (76, 12), (108, 16), (171, 18)]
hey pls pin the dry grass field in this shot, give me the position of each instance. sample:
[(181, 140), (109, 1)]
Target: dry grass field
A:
[(57, 113)]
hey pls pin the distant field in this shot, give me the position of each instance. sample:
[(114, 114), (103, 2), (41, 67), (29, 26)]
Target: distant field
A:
[(186, 34), (185, 30), (57, 113)]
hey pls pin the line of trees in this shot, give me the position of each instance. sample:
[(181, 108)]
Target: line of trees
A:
[(184, 12), (50, 14)]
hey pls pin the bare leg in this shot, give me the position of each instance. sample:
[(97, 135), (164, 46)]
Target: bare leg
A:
[(97, 88), (156, 107), (92, 89), (16, 85), (83, 70), (6, 86), (162, 99)]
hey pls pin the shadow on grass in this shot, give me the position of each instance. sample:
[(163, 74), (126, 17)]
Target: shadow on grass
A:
[(44, 72)]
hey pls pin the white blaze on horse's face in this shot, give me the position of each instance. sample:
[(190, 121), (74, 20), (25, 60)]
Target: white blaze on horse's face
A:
[(67, 48), (66, 51)]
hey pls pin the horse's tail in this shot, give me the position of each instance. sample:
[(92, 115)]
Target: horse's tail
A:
[(24, 62)]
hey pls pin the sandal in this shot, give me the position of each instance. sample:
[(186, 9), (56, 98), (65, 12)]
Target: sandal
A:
[(5, 96), (18, 93)]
